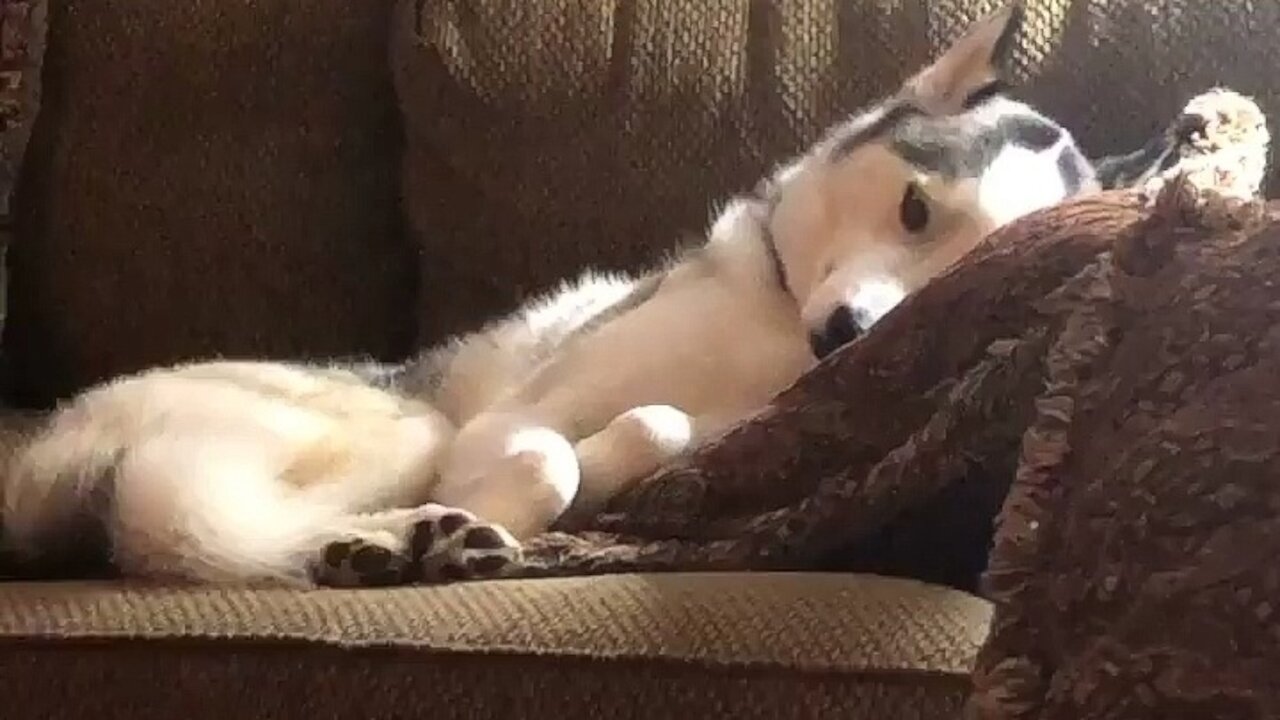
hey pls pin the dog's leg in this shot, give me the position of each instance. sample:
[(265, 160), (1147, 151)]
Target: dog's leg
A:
[(430, 543), (1159, 154), (510, 468), (634, 445)]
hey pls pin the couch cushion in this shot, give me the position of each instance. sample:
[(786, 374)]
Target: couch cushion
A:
[(208, 178), (22, 40), (597, 132), (661, 646)]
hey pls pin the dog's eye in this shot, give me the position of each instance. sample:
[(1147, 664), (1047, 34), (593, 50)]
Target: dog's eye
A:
[(914, 211)]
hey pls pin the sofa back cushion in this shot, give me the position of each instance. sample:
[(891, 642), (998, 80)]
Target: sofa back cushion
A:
[(207, 178), (23, 29), (596, 132), (223, 178)]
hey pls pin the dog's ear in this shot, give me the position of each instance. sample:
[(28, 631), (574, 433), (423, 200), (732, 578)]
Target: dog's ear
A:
[(972, 69)]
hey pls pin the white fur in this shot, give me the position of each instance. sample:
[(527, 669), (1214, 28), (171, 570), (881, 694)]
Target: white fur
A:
[(878, 297), (228, 471), (200, 458)]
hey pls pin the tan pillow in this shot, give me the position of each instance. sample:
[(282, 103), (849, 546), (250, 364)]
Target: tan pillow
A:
[(216, 177), (598, 131)]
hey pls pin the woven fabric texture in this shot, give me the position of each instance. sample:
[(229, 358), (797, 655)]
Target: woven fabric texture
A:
[(814, 622), (209, 178), (724, 645), (265, 681), (22, 41), (597, 132)]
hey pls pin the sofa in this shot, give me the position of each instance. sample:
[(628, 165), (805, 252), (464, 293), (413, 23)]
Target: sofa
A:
[(331, 178)]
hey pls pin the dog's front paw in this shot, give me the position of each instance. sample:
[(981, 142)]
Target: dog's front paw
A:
[(1188, 132), (1218, 119)]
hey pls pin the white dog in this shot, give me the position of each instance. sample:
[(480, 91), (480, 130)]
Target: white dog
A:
[(350, 474)]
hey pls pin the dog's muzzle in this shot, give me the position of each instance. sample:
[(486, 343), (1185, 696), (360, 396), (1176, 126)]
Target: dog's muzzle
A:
[(843, 326)]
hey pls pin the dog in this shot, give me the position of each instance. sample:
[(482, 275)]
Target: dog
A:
[(435, 469)]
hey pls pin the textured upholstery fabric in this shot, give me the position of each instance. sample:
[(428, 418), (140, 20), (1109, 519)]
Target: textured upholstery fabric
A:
[(221, 177), (598, 132), (1135, 570), (729, 645), (207, 178), (22, 41)]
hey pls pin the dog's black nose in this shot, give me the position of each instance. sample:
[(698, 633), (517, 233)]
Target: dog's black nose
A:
[(843, 326)]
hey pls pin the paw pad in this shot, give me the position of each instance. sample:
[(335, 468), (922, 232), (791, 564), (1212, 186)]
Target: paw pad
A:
[(439, 546), (452, 522), (356, 563), (483, 537), (467, 550)]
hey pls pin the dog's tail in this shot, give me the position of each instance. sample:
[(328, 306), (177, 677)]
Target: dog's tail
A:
[(79, 500), (56, 474), (212, 480)]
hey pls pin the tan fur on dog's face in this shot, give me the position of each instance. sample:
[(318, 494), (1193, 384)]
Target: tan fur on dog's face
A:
[(857, 226), (842, 240)]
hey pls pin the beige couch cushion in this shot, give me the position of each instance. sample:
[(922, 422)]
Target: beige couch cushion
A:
[(661, 646)]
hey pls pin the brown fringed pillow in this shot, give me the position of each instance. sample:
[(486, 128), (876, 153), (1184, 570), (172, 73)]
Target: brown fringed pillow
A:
[(1135, 568)]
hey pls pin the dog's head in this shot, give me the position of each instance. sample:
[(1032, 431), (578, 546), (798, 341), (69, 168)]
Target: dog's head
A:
[(891, 198)]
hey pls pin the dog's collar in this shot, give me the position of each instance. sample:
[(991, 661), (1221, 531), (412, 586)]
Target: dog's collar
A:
[(779, 270), (768, 198)]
